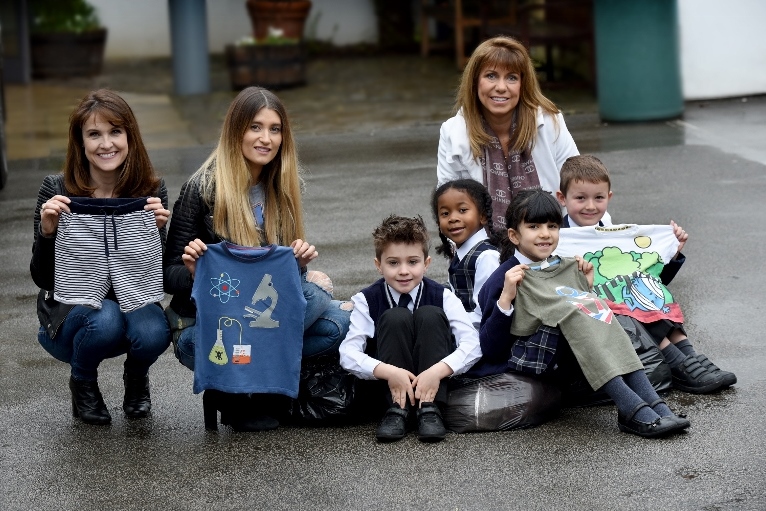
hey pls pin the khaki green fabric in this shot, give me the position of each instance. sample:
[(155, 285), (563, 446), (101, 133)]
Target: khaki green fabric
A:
[(558, 296)]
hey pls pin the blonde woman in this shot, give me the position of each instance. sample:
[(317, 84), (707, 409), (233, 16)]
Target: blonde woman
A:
[(248, 192), (505, 133)]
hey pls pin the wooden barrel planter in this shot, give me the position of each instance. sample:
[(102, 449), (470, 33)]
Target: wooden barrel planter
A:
[(272, 66), (58, 55), (288, 15)]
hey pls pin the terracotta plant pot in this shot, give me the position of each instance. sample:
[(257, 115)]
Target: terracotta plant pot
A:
[(67, 54), (290, 16), (271, 66)]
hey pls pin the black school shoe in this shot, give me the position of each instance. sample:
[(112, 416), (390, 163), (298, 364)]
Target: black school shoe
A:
[(659, 427), (680, 418), (690, 376), (728, 378), (430, 425), (393, 426)]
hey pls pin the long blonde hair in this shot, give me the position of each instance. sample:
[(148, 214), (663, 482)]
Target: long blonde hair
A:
[(502, 53), (225, 178)]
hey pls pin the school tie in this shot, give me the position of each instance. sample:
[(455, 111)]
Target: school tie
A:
[(404, 300)]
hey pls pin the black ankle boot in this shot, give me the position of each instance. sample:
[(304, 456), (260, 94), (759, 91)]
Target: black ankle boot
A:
[(214, 401), (87, 402), (137, 402)]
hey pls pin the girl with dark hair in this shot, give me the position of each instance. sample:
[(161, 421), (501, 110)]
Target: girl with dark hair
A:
[(463, 211), (533, 292), (100, 310), (248, 192)]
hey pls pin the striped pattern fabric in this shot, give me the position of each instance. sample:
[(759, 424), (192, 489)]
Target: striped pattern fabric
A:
[(97, 252)]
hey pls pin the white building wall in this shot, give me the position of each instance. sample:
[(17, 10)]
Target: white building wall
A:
[(723, 48), (141, 28)]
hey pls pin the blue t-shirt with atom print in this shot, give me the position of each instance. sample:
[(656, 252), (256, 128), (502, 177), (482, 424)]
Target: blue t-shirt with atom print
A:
[(250, 310)]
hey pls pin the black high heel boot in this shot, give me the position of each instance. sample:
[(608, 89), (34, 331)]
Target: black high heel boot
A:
[(87, 402), (214, 401), (137, 402), (236, 410)]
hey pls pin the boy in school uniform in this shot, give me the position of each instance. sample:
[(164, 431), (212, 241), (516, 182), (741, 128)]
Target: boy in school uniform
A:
[(585, 191), (408, 330)]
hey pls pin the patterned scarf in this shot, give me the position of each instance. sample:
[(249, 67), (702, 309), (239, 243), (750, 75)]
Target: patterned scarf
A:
[(506, 176)]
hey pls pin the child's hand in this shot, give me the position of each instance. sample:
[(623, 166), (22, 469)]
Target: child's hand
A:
[(399, 383), (587, 268), (513, 278), (681, 236), (427, 383)]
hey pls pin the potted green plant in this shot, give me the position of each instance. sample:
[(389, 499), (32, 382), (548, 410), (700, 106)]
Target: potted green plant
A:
[(67, 39), (274, 56)]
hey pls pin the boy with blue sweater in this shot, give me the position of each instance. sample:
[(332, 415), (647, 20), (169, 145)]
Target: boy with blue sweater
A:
[(408, 330)]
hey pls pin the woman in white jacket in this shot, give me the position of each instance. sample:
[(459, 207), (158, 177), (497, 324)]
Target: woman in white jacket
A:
[(505, 134)]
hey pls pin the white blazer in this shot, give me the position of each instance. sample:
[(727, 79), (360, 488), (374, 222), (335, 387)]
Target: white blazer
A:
[(552, 147)]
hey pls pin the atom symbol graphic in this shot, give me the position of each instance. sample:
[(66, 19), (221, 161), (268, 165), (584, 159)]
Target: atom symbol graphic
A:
[(224, 287)]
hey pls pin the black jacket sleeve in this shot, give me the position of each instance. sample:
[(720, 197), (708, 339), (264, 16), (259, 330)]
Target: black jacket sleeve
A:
[(43, 249), (192, 218), (669, 270), (495, 330)]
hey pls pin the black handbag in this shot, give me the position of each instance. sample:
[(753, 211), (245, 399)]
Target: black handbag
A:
[(50, 312)]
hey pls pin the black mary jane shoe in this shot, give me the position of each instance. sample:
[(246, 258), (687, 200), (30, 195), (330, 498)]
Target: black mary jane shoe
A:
[(680, 418), (659, 427), (88, 403), (430, 425), (137, 402), (393, 426)]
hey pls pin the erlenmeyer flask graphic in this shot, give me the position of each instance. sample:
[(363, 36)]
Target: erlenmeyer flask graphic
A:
[(218, 353)]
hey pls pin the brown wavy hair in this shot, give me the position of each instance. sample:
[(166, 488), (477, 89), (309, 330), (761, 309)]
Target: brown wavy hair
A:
[(505, 53), (137, 177)]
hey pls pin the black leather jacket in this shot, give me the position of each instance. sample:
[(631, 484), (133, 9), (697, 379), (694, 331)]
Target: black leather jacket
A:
[(192, 218), (50, 312)]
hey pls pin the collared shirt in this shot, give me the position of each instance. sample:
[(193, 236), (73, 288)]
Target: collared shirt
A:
[(486, 263), (354, 360)]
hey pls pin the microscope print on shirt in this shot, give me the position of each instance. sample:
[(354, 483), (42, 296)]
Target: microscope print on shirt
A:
[(224, 287)]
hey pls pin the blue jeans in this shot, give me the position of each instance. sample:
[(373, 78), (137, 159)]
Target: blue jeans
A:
[(325, 326), (88, 336)]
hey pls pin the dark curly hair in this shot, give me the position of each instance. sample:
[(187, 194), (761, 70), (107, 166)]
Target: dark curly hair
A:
[(534, 206), (400, 229), (483, 201)]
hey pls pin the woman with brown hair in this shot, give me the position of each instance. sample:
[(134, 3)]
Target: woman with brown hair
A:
[(99, 232), (506, 134)]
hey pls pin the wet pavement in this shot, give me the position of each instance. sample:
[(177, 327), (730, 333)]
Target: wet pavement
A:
[(367, 156)]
